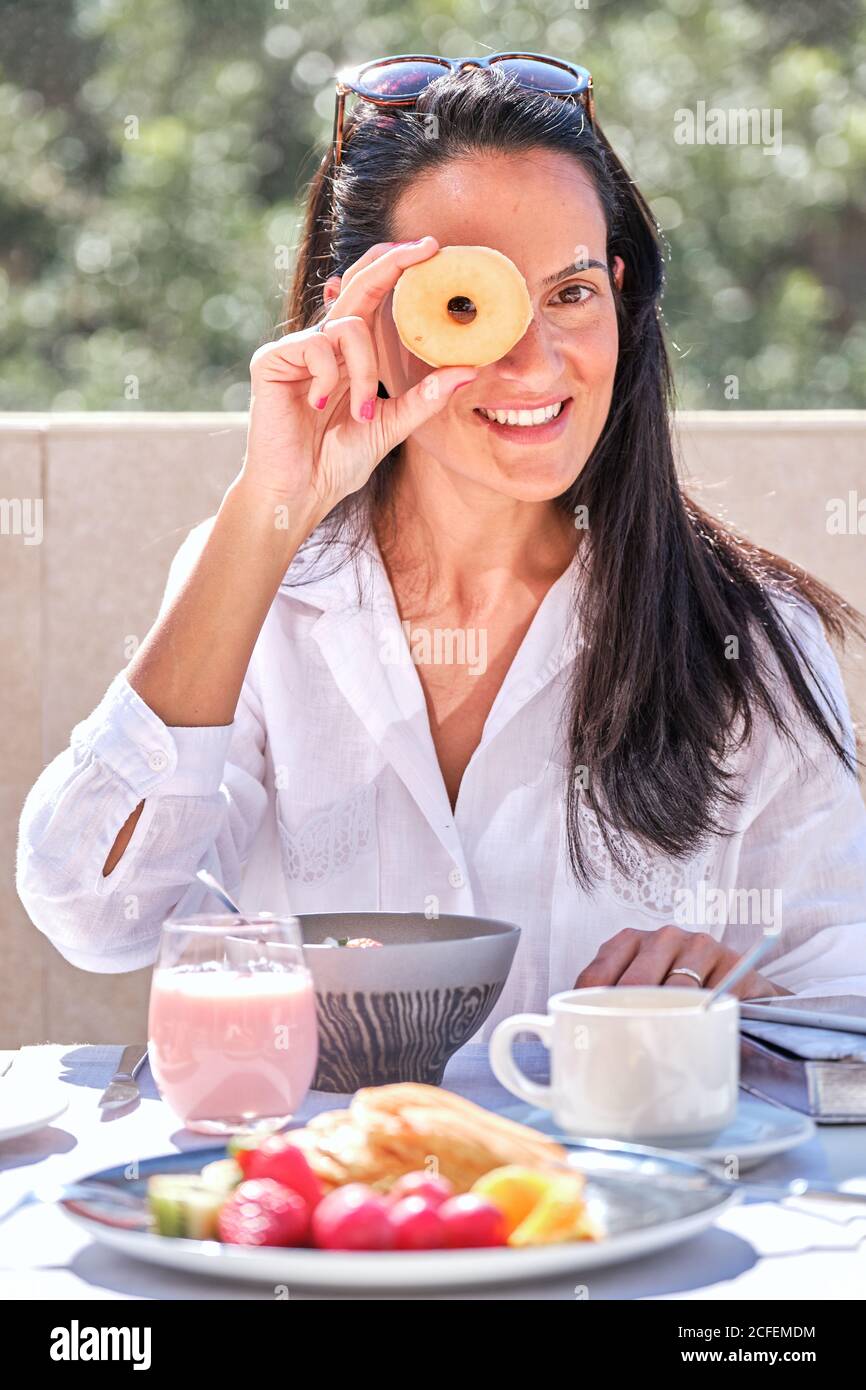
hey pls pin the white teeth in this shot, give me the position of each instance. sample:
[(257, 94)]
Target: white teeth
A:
[(523, 417)]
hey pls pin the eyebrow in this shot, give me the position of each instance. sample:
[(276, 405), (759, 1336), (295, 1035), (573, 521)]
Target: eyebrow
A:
[(574, 269)]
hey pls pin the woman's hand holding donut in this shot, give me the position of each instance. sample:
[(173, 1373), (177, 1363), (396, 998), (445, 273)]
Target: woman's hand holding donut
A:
[(317, 428), (299, 463)]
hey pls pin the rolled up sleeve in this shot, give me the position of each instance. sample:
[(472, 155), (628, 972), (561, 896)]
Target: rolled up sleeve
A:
[(204, 798)]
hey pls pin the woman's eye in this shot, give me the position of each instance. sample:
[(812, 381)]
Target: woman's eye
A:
[(572, 291)]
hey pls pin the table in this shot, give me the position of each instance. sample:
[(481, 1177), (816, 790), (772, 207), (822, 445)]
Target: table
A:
[(757, 1250)]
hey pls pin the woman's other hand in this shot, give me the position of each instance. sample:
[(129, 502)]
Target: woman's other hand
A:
[(633, 957)]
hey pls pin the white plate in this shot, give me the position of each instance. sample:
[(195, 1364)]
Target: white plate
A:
[(23, 1110), (759, 1131), (648, 1200)]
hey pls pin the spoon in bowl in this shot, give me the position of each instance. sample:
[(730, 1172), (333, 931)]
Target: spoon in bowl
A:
[(215, 887)]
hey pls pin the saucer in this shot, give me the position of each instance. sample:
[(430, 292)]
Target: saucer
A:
[(758, 1131)]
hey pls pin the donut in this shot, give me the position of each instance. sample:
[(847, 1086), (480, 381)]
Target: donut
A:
[(464, 307)]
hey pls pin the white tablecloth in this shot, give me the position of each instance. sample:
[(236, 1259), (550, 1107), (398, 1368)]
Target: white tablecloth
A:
[(757, 1250)]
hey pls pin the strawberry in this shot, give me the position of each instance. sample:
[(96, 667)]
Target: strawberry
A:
[(278, 1158), (262, 1212)]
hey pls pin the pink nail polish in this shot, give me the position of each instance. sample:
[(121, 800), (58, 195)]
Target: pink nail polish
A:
[(321, 402), (368, 409)]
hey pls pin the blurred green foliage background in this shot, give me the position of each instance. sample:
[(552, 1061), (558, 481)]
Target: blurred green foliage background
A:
[(152, 155)]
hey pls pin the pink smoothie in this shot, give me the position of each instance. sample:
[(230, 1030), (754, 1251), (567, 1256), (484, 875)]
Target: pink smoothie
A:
[(232, 1047)]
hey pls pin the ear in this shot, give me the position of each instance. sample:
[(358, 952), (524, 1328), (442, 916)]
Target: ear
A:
[(331, 290), (617, 271)]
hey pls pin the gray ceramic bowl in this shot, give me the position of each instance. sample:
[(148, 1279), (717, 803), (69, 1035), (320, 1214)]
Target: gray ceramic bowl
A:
[(398, 1012)]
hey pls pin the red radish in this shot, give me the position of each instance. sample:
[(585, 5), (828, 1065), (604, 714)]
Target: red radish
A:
[(283, 1161), (353, 1217), (262, 1212), (472, 1221), (433, 1189), (417, 1224)]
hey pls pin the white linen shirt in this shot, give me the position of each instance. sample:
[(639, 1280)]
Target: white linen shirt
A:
[(325, 794)]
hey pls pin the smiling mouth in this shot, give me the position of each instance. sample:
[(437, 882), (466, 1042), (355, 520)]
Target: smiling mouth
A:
[(529, 424), (524, 419)]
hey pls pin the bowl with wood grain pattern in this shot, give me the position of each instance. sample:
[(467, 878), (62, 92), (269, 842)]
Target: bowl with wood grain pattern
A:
[(398, 1010)]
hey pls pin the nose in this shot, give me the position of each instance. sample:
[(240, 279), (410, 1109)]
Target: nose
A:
[(535, 360)]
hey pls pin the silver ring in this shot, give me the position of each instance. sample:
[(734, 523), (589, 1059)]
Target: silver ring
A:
[(684, 970)]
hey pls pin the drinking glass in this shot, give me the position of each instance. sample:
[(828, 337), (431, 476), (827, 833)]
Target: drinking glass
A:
[(232, 1034)]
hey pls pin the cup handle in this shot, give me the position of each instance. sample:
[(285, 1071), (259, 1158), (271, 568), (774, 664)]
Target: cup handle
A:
[(502, 1062)]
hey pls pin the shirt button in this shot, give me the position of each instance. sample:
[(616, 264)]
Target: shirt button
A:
[(157, 761), (456, 879)]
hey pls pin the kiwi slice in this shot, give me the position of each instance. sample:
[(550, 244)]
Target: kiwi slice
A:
[(222, 1175), (184, 1206)]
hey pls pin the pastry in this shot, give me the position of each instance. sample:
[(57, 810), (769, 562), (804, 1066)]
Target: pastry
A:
[(391, 1130), (465, 306)]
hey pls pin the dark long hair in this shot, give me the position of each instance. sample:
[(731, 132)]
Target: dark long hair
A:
[(655, 697)]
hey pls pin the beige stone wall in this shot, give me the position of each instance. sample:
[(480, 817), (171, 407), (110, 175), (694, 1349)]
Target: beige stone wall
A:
[(121, 491)]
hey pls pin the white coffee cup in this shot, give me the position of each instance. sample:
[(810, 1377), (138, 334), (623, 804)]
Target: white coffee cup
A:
[(635, 1062)]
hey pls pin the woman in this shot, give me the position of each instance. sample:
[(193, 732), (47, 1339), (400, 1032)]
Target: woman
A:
[(637, 707)]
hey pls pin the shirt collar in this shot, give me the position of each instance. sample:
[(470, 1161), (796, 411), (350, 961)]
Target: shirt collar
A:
[(359, 634), (325, 574), (355, 634)]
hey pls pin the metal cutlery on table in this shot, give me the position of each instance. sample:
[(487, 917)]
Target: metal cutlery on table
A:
[(108, 1193), (798, 1187), (768, 1192), (122, 1091), (705, 1174)]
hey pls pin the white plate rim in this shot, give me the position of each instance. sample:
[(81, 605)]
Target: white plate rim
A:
[(395, 1271), (440, 1268), (38, 1120)]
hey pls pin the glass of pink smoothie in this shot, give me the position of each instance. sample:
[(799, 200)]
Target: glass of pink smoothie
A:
[(232, 1034)]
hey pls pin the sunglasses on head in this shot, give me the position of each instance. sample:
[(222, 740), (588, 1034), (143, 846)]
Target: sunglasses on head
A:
[(400, 80)]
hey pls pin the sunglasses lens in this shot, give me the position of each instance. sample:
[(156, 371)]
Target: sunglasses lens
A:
[(407, 79), (544, 77)]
